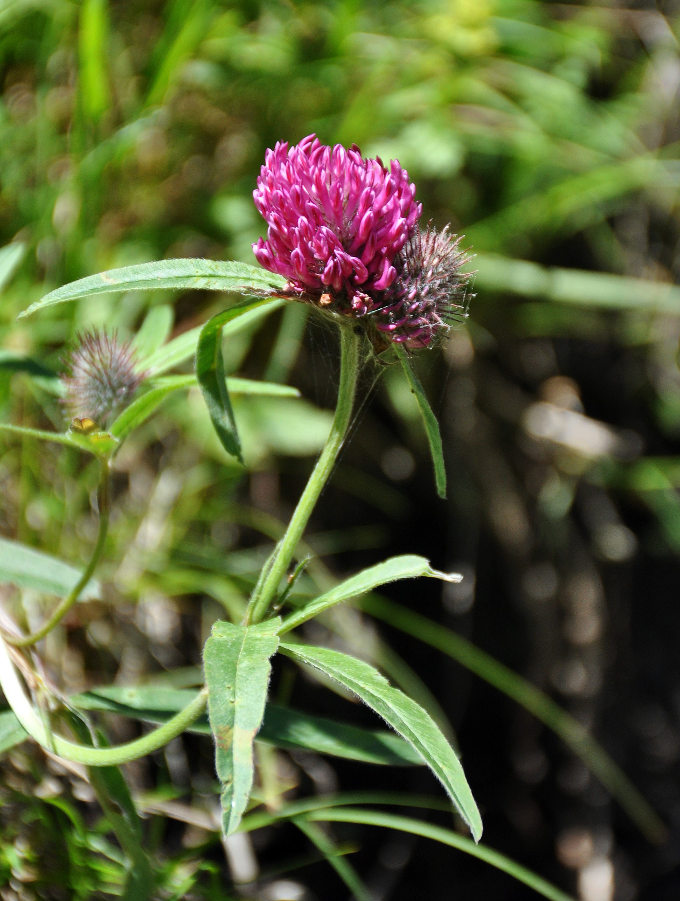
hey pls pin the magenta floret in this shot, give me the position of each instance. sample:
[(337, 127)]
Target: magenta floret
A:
[(336, 221)]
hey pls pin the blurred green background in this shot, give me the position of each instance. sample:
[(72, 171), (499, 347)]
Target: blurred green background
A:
[(548, 134)]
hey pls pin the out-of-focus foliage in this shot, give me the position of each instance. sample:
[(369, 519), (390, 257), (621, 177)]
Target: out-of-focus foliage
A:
[(549, 134)]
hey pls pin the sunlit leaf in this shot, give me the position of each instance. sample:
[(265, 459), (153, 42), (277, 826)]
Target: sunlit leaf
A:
[(406, 717), (408, 566), (185, 274), (237, 668)]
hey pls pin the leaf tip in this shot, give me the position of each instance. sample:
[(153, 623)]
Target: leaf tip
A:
[(477, 829), (445, 577)]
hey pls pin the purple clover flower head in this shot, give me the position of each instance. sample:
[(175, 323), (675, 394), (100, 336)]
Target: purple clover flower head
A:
[(336, 222), (101, 377), (429, 291)]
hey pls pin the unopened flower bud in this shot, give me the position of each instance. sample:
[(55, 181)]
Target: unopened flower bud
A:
[(429, 292), (100, 379)]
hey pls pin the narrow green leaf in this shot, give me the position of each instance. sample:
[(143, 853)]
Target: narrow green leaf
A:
[(10, 257), (237, 668), (239, 386), (187, 27), (203, 275), (92, 50), (101, 444), (334, 858), (434, 437), (210, 375), (25, 567), (599, 290), (400, 712), (446, 837), (283, 727), (407, 566)]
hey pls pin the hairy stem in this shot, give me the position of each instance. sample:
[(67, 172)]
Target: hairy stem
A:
[(267, 589), (33, 723)]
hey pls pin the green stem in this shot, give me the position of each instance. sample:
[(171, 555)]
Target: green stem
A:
[(25, 641), (349, 369), (55, 744)]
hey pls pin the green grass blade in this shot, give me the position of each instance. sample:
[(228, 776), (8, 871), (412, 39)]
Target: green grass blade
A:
[(532, 699), (445, 837), (406, 717), (333, 857), (187, 26), (237, 668), (408, 566), (184, 274), (261, 818), (434, 438), (599, 290), (93, 43)]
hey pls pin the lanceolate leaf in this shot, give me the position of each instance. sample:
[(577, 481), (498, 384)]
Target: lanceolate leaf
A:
[(27, 568), (204, 275), (237, 668), (406, 717), (434, 437), (210, 374), (408, 566)]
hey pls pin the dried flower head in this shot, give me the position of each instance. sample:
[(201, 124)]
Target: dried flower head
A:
[(429, 292), (336, 221), (101, 377)]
